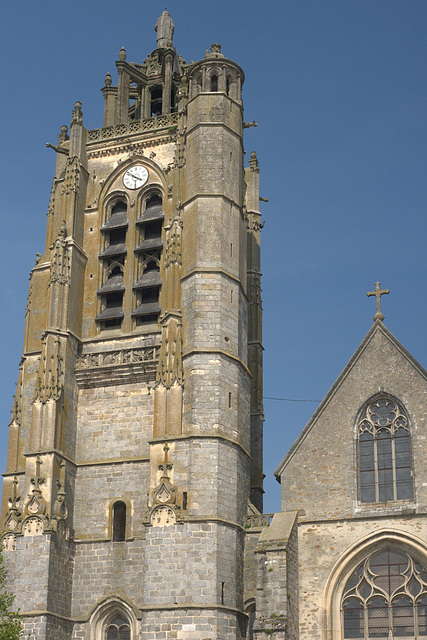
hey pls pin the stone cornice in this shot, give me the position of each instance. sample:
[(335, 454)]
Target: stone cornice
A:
[(220, 352), (201, 436)]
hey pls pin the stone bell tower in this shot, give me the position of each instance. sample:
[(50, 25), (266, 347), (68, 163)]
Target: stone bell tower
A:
[(136, 433)]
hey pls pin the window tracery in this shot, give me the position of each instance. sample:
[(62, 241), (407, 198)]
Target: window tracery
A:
[(386, 597), (117, 629), (385, 467)]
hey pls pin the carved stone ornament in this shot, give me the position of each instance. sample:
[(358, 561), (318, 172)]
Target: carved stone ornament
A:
[(152, 65), (163, 500), (9, 542), (59, 509), (114, 358), (60, 259), (173, 251), (71, 177), (50, 379), (32, 527), (51, 207), (170, 369), (13, 517), (255, 289), (77, 113), (162, 516), (12, 522), (36, 504), (63, 530), (15, 417)]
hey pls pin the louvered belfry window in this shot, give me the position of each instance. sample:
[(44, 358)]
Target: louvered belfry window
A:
[(386, 597), (385, 469)]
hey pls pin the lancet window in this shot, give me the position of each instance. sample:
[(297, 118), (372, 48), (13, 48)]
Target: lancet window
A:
[(112, 259), (214, 82), (119, 522), (384, 448), (148, 252), (156, 101), (386, 597)]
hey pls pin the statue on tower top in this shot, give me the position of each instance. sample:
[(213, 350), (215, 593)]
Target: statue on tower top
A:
[(164, 28)]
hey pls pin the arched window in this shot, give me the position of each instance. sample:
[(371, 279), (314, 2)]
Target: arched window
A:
[(214, 82), (117, 629), (112, 257), (386, 596), (149, 252), (251, 620), (384, 453), (113, 619), (119, 522), (156, 101)]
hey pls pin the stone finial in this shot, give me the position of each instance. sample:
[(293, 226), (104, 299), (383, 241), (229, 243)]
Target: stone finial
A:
[(122, 54), (378, 293), (164, 28), (215, 51), (253, 161), (108, 80), (63, 135), (77, 114)]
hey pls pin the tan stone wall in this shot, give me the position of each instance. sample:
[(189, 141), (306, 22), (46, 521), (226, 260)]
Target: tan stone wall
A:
[(329, 551)]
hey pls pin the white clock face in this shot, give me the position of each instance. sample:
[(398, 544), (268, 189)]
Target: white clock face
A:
[(135, 177)]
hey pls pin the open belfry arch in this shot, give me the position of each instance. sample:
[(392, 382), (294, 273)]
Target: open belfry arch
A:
[(136, 431)]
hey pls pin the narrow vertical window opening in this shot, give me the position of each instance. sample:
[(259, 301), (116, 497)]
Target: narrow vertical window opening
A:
[(119, 522), (214, 83)]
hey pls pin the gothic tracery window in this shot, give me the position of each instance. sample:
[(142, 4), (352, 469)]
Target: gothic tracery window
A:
[(386, 597), (117, 629), (384, 453)]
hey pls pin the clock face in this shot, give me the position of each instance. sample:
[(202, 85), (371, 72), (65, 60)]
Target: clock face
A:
[(135, 177)]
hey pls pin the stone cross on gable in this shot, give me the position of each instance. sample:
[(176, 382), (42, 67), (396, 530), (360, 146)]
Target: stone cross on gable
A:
[(378, 293)]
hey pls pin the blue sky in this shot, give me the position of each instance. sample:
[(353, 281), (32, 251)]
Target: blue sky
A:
[(338, 89)]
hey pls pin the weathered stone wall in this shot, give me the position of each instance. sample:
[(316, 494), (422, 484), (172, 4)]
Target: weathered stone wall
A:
[(323, 545), (320, 475), (97, 487), (107, 568), (114, 422), (192, 624)]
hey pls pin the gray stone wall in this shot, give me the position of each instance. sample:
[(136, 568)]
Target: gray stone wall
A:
[(114, 422), (96, 489), (321, 473), (193, 624), (104, 569)]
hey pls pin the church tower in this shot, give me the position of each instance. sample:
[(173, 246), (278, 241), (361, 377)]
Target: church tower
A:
[(136, 434)]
